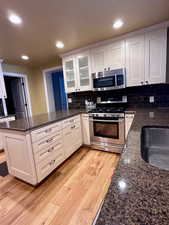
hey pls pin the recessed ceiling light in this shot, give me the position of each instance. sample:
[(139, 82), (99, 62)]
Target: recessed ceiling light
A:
[(13, 18), (117, 24), (24, 57), (59, 44)]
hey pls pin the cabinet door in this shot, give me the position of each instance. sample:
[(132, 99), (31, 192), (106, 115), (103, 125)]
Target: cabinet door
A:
[(98, 59), (155, 56), (135, 58), (69, 69), (84, 72), (116, 55), (85, 129)]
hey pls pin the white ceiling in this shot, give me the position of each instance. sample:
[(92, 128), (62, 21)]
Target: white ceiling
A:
[(75, 22)]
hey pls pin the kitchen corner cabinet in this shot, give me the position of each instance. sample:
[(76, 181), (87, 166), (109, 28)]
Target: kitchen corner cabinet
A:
[(33, 155), (77, 72)]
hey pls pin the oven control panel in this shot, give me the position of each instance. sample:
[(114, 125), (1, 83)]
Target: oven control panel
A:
[(107, 115)]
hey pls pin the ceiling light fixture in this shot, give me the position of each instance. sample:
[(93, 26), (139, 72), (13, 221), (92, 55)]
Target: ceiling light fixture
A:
[(118, 23), (24, 57), (59, 44), (15, 19)]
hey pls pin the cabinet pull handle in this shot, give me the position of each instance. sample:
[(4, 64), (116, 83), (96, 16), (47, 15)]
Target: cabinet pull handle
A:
[(146, 82), (52, 162), (142, 83), (49, 140), (51, 149), (48, 130)]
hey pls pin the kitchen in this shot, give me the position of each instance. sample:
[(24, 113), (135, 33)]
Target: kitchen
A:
[(101, 155)]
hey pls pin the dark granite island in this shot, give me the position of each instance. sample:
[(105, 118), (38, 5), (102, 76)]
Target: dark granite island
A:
[(34, 147), (139, 192)]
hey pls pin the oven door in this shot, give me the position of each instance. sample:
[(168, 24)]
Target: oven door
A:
[(109, 131)]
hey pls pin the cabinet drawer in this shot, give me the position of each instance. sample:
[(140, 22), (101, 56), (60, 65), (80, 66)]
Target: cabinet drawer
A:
[(45, 131), (51, 151), (47, 142), (44, 169), (71, 121)]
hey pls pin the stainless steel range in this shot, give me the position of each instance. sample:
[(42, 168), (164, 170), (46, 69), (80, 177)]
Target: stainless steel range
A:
[(107, 129)]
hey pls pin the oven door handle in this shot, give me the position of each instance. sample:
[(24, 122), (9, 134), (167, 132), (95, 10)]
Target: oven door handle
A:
[(109, 121)]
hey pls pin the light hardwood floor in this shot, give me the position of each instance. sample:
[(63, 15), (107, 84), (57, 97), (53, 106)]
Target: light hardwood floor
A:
[(70, 196)]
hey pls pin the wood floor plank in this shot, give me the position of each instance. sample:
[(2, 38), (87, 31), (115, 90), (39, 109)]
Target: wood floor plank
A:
[(71, 195)]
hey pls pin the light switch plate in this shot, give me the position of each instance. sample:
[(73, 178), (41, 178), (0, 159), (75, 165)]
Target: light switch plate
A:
[(151, 99)]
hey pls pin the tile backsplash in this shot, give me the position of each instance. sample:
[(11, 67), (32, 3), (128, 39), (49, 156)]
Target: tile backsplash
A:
[(137, 96)]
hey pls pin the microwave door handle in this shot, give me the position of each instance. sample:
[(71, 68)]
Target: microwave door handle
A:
[(109, 121)]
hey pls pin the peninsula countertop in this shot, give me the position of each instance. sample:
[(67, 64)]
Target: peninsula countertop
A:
[(139, 192), (35, 122)]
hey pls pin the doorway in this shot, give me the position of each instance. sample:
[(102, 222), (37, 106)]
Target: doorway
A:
[(18, 99), (56, 97)]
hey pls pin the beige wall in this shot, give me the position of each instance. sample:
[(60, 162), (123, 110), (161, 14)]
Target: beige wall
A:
[(36, 83)]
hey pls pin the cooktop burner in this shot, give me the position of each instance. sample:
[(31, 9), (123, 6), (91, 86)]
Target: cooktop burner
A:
[(108, 110)]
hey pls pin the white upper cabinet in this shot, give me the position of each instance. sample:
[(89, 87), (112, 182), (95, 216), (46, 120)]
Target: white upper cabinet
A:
[(83, 71), (155, 56), (2, 84), (69, 68), (115, 55), (98, 59), (135, 59), (143, 55)]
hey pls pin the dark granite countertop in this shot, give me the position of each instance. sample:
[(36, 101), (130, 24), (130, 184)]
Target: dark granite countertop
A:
[(139, 192), (39, 121)]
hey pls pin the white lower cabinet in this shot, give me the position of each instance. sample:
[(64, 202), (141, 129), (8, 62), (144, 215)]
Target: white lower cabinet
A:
[(2, 120), (129, 117), (33, 156), (72, 135), (85, 129)]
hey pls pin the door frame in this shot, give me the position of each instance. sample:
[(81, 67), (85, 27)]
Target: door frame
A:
[(48, 93), (29, 106)]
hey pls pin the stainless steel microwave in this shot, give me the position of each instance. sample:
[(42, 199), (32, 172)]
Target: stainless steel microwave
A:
[(109, 79)]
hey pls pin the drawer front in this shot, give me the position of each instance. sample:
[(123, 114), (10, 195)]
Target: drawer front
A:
[(45, 131), (47, 142), (50, 162), (49, 152), (44, 169), (71, 121)]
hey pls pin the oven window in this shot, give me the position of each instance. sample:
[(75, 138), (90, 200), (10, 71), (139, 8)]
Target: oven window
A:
[(106, 129)]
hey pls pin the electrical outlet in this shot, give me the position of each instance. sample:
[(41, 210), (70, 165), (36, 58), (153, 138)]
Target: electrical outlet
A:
[(69, 100), (151, 99)]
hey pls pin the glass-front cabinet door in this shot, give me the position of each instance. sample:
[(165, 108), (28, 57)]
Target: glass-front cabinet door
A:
[(70, 75), (84, 73)]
